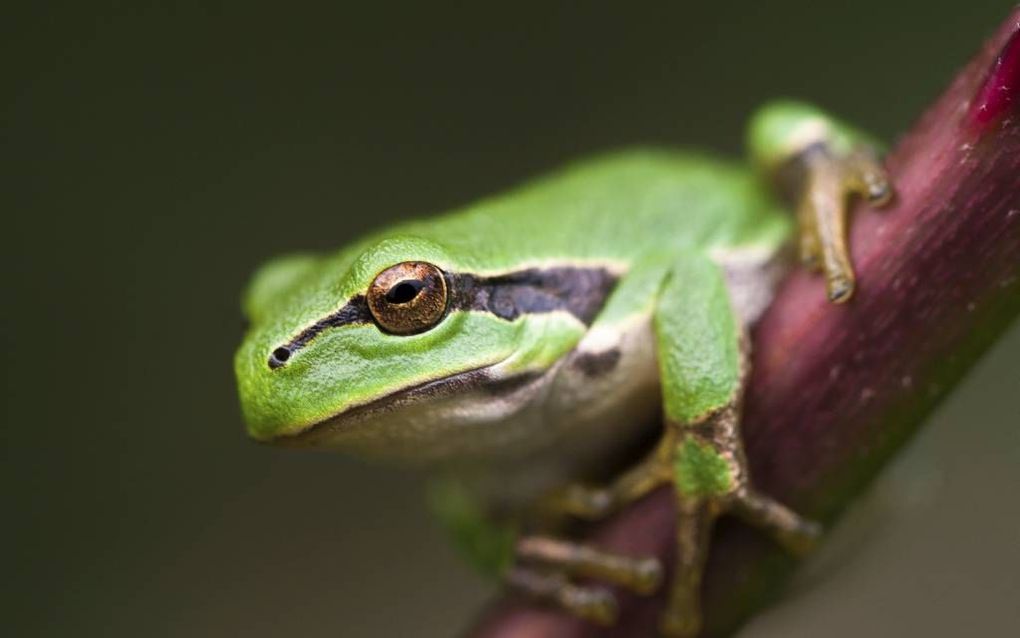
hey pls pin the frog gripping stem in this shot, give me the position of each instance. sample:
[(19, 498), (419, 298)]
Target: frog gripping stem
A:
[(939, 280), (829, 179), (819, 164)]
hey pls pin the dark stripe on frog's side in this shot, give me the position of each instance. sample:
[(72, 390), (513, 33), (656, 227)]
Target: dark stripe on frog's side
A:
[(577, 290), (581, 291)]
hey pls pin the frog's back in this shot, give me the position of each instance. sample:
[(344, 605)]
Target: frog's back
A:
[(616, 206)]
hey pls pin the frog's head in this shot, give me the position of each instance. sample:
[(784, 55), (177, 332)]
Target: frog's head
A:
[(395, 349)]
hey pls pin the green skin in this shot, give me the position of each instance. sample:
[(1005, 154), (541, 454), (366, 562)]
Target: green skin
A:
[(670, 225)]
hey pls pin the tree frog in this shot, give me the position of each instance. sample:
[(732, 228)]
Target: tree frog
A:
[(525, 348)]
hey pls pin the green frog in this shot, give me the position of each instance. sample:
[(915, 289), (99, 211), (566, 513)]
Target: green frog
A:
[(519, 346)]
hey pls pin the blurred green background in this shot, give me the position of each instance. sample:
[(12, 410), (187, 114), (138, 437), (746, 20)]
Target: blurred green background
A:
[(153, 155)]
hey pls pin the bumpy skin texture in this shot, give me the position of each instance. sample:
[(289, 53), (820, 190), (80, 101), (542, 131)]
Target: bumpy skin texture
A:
[(662, 226), (699, 360)]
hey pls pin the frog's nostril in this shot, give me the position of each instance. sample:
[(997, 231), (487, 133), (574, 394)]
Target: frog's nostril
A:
[(279, 357)]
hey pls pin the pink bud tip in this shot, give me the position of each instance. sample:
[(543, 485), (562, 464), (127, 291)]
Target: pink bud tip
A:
[(1000, 93)]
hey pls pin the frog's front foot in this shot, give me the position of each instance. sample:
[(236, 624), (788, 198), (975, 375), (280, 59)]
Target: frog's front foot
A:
[(544, 568), (544, 565), (828, 180), (706, 466)]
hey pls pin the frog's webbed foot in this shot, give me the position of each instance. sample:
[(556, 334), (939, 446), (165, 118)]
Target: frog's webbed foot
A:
[(828, 180), (696, 516), (687, 459), (712, 479)]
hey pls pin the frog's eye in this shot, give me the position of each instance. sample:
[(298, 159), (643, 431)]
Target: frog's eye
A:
[(408, 298)]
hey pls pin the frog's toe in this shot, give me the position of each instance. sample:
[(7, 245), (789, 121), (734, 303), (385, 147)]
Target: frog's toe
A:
[(680, 625), (797, 534), (830, 178), (867, 177), (551, 587), (879, 191), (580, 501), (810, 258), (641, 575), (840, 287)]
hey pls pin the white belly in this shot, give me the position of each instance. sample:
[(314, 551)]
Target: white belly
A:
[(599, 400)]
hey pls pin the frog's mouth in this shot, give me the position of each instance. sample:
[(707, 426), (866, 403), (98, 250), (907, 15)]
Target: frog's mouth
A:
[(428, 419)]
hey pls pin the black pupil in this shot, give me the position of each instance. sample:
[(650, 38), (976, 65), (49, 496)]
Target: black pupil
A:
[(404, 291)]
